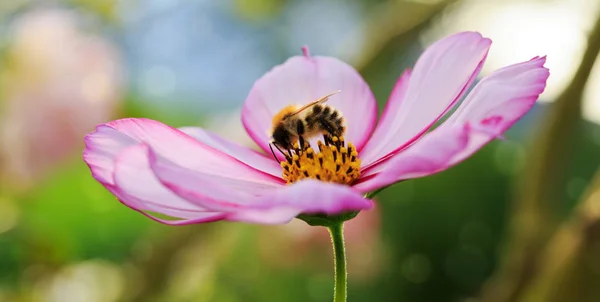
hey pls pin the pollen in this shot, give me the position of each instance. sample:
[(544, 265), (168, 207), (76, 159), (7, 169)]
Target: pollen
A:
[(335, 161)]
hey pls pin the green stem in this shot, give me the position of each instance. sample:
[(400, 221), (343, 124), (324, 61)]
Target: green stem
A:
[(337, 238)]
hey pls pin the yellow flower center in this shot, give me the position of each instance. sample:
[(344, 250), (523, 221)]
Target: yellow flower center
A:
[(335, 162)]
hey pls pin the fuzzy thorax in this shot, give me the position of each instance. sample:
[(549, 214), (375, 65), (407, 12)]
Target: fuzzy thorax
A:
[(334, 162)]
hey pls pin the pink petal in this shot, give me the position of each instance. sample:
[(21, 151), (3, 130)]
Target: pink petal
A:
[(250, 157), (147, 176), (499, 101), (211, 191), (109, 139), (495, 104), (243, 201), (137, 187), (440, 77), (101, 148), (388, 117), (303, 79), (433, 153), (307, 196), (201, 218)]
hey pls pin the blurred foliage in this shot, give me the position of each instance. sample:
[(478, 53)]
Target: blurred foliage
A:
[(177, 117), (70, 218), (570, 265), (105, 9), (258, 10), (540, 204)]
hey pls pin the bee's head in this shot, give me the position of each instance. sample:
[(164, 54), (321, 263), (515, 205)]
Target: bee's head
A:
[(282, 137)]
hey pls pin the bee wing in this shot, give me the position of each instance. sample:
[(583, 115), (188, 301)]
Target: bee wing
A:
[(320, 100)]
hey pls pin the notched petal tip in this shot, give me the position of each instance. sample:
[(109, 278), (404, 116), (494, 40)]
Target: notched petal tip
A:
[(537, 61), (467, 36), (541, 62)]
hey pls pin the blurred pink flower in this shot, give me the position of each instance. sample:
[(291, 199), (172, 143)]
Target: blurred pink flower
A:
[(197, 176), (58, 83)]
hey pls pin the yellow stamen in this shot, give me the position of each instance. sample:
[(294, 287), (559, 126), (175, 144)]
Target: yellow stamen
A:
[(334, 162)]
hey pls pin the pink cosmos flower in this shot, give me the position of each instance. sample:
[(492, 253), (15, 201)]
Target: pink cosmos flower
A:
[(194, 175)]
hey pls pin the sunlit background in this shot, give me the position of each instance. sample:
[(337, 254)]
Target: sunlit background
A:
[(472, 233)]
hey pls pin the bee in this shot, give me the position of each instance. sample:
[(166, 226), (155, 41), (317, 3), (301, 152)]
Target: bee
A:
[(296, 124)]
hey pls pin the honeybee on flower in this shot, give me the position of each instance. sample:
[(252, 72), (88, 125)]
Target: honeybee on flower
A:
[(196, 176), (295, 124)]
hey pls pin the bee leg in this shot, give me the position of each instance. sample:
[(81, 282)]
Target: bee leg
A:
[(273, 152), (300, 129), (301, 142), (327, 127)]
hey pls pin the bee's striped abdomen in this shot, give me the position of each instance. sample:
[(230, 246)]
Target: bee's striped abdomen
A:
[(326, 120)]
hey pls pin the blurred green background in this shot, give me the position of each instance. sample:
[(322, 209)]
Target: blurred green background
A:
[(519, 221)]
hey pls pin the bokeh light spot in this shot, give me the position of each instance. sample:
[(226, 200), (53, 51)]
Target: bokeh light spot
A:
[(466, 267), (475, 236), (158, 81), (416, 268), (509, 157), (90, 281), (96, 87)]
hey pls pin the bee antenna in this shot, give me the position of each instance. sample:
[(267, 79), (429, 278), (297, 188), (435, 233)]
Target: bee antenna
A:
[(278, 149), (273, 152)]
